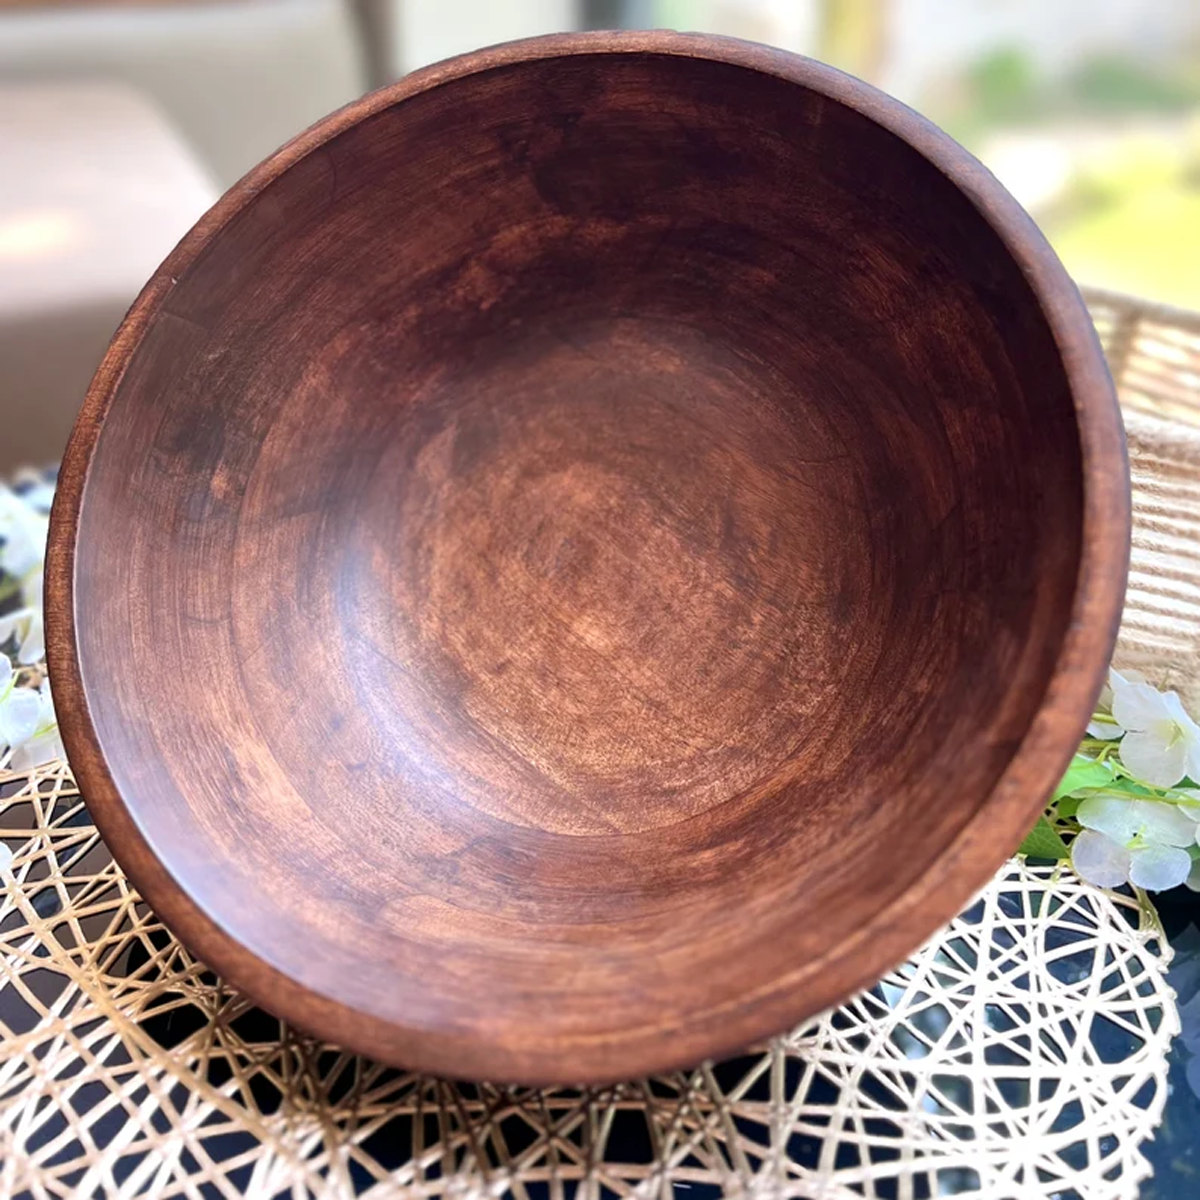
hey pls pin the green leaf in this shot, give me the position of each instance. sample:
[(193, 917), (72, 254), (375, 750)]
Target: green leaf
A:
[(1043, 841), (1068, 806), (1130, 787), (1083, 772)]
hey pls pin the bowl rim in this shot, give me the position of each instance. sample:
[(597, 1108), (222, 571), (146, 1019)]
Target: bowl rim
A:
[(964, 865)]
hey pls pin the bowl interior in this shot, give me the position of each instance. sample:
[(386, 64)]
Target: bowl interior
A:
[(569, 554)]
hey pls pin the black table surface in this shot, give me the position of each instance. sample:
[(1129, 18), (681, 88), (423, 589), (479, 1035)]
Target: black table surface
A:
[(1175, 1150)]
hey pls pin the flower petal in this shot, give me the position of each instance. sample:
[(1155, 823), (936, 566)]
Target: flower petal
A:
[(38, 751), (1165, 823), (6, 672), (1154, 757), (1100, 860), (1138, 705), (32, 590), (25, 624), (33, 645), (23, 530), (19, 716), (1188, 730), (1157, 868), (1179, 714), (6, 860), (1124, 678), (1115, 816), (1104, 728)]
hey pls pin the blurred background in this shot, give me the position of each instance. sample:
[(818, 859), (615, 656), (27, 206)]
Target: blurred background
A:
[(122, 120)]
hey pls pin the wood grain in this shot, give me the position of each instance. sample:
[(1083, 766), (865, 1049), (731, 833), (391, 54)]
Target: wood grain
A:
[(587, 556)]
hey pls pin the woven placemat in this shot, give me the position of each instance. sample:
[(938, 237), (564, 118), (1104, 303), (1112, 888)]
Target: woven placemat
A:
[(1154, 354), (1021, 1053)]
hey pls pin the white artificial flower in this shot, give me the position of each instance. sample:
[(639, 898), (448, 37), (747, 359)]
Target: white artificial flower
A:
[(1193, 879), (1124, 819), (21, 709), (1161, 743), (1133, 841), (24, 530), (27, 627), (1190, 805), (1103, 724), (44, 744), (26, 624), (1100, 860), (1159, 868)]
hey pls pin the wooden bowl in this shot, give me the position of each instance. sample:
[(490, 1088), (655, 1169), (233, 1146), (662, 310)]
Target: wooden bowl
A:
[(587, 556)]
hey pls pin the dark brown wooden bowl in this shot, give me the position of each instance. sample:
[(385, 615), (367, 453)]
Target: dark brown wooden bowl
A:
[(587, 556)]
